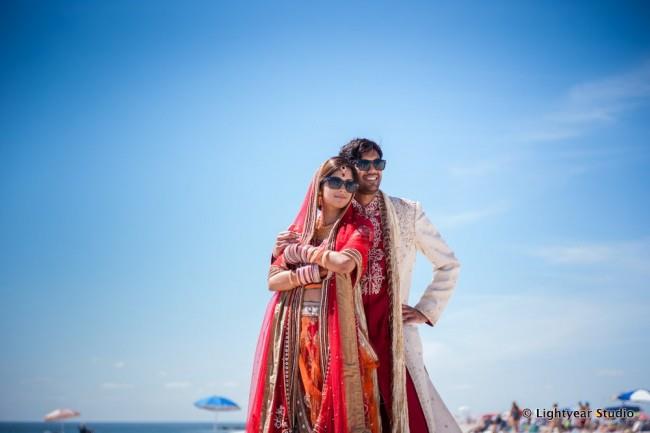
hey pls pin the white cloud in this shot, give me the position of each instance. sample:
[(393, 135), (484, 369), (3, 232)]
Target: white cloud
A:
[(482, 167), (498, 340), (564, 162), (470, 216), (113, 385), (627, 88), (592, 104), (60, 398), (629, 255), (177, 385), (609, 372), (575, 254), (36, 381), (119, 364), (523, 326)]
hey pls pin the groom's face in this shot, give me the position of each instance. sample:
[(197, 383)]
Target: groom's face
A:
[(370, 180)]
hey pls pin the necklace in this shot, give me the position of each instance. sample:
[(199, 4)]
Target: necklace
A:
[(323, 230), (320, 225)]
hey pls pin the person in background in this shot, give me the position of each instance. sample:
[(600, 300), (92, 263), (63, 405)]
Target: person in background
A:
[(515, 416)]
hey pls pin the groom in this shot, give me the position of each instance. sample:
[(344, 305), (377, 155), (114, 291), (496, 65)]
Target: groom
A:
[(401, 228), (409, 400)]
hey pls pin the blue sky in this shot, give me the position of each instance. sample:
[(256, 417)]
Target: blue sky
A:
[(152, 150)]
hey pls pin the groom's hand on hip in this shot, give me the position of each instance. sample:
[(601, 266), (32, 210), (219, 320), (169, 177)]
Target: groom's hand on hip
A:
[(412, 316)]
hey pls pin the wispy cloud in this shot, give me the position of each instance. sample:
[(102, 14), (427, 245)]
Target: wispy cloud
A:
[(523, 340), (565, 162), (36, 381), (482, 167), (576, 254), (630, 255), (592, 104), (113, 385), (177, 385), (496, 340), (60, 398), (609, 372), (470, 216), (119, 364), (209, 386)]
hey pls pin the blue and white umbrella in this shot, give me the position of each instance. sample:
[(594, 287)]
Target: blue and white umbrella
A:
[(216, 404), (636, 395)]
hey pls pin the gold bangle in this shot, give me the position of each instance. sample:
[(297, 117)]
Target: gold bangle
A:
[(315, 255), (292, 281), (324, 257)]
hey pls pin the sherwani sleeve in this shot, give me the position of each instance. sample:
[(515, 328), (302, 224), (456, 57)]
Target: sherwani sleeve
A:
[(446, 267)]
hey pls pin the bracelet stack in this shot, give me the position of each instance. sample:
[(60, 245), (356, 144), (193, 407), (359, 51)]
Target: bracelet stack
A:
[(305, 275), (297, 253)]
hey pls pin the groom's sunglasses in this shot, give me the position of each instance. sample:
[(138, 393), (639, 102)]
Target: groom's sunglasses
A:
[(364, 164), (336, 183)]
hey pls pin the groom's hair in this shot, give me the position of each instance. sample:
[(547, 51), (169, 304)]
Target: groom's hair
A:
[(357, 147)]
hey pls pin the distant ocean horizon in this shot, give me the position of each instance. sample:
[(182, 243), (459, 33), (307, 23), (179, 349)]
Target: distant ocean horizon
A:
[(120, 427)]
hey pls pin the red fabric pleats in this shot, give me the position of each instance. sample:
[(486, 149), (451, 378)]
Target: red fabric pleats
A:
[(417, 421)]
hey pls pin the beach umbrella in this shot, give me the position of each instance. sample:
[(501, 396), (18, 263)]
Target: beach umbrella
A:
[(60, 415), (216, 404), (636, 395)]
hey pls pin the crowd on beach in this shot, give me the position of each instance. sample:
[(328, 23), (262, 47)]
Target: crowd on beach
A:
[(583, 419)]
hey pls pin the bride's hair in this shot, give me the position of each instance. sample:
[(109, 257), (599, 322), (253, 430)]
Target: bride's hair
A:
[(333, 164)]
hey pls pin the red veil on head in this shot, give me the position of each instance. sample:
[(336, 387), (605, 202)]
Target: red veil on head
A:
[(275, 401)]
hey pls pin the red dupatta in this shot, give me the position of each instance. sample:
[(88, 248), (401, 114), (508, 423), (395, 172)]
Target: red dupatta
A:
[(275, 401)]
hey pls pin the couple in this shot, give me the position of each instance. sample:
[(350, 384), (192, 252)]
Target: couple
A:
[(339, 349)]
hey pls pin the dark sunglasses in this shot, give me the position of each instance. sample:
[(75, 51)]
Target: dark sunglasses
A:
[(336, 183), (364, 164)]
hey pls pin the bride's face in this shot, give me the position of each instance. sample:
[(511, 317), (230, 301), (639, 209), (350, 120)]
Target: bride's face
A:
[(337, 197)]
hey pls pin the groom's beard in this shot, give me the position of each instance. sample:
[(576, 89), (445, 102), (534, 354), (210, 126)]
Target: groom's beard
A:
[(368, 189)]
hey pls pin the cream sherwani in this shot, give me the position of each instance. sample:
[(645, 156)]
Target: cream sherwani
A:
[(410, 231)]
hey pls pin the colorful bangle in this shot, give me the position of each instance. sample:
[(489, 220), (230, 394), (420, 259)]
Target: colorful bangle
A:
[(297, 253), (308, 274), (324, 257)]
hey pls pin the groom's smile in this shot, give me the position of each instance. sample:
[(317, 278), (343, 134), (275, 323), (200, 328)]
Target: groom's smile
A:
[(370, 180)]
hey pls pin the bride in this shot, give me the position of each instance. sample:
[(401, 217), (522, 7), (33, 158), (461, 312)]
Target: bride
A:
[(314, 370)]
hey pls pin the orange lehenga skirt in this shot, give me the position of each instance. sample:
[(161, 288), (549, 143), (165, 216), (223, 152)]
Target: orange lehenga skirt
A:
[(312, 376)]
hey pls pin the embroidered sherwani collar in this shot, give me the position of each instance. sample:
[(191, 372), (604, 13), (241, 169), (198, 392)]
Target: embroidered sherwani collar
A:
[(370, 208)]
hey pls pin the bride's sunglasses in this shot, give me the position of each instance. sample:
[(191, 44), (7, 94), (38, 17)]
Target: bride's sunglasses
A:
[(364, 164), (336, 183)]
